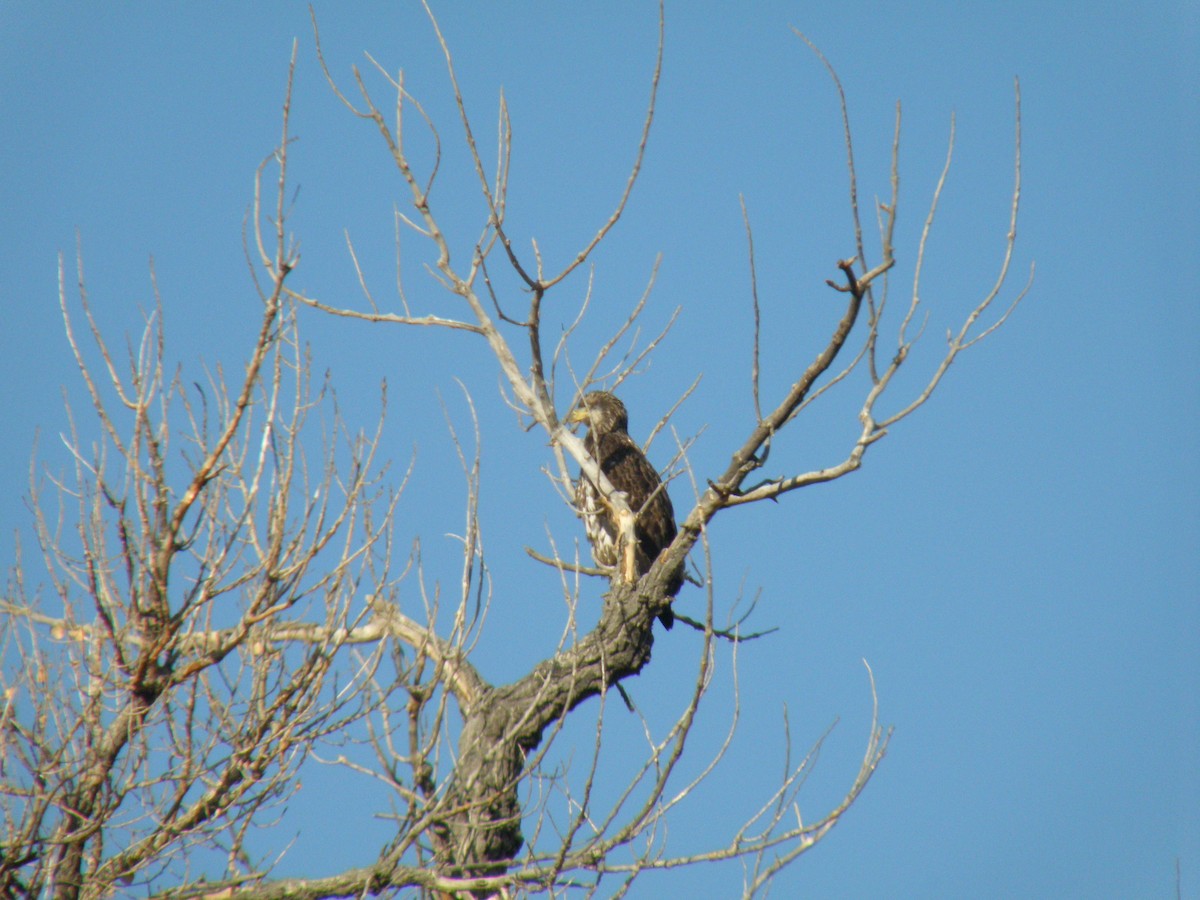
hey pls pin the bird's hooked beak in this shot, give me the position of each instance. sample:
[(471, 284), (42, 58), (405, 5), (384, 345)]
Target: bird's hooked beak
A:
[(579, 414)]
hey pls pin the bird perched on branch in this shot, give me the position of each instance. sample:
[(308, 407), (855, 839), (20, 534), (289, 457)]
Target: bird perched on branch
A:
[(628, 471)]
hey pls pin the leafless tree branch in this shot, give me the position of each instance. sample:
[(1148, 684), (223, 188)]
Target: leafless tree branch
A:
[(231, 608)]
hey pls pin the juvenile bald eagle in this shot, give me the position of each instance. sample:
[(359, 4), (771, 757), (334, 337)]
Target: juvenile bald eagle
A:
[(627, 469)]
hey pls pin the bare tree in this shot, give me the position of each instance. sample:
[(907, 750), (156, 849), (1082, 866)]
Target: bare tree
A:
[(229, 595)]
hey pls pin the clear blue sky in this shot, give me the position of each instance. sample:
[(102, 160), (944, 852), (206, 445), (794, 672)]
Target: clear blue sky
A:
[(1019, 563)]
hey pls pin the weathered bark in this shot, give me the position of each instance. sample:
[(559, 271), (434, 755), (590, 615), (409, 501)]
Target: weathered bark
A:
[(508, 723)]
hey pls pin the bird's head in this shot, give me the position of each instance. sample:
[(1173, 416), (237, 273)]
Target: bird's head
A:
[(602, 412)]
